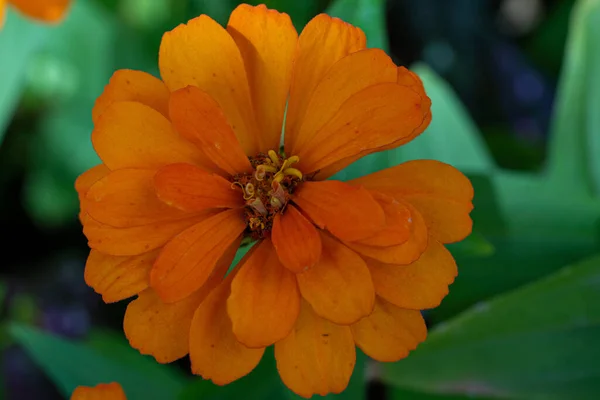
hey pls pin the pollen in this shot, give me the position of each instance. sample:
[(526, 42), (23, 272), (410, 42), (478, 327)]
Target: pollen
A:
[(267, 190)]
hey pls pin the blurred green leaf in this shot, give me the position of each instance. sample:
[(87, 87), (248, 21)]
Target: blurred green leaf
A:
[(574, 165), (395, 393), (71, 364), (475, 245), (546, 46), (218, 10), (369, 15), (79, 52), (19, 39), (23, 309), (452, 137), (113, 345), (533, 231), (537, 342)]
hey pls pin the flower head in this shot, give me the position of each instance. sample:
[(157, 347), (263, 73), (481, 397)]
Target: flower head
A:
[(49, 11), (193, 165), (103, 391)]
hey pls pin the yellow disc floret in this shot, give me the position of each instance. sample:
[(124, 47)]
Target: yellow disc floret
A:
[(267, 190)]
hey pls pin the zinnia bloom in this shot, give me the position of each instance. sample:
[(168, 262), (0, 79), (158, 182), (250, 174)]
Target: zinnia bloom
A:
[(103, 391), (193, 165), (49, 11)]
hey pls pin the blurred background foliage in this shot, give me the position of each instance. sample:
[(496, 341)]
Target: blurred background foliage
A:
[(516, 94)]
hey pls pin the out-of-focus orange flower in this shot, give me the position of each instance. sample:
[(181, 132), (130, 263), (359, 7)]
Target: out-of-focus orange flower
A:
[(192, 165), (103, 391), (49, 11)]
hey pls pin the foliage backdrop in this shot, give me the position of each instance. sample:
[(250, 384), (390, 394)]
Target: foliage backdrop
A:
[(522, 321)]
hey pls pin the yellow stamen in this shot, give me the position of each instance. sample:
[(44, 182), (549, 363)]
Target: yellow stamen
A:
[(293, 160), (273, 156), (250, 189), (293, 172), (267, 168), (278, 177)]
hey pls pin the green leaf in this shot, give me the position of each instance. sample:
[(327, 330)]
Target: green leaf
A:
[(475, 245), (574, 166), (395, 393), (70, 364), (537, 342), (452, 137), (79, 52), (218, 10), (19, 40), (241, 252), (369, 15), (113, 345)]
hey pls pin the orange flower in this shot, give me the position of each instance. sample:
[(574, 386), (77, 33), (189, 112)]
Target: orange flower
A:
[(49, 11), (103, 391), (192, 165)]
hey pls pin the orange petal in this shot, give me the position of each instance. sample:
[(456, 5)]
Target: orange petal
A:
[(51, 11), (404, 253), (201, 53), (137, 86), (102, 391), (162, 330), (372, 118), (420, 285), (126, 198), (448, 221), (390, 332), (345, 78), (350, 213), (323, 42), (296, 240), (337, 166), (135, 240), (89, 177), (191, 189), (267, 41), (133, 135), (440, 192), (85, 181), (187, 261), (397, 225), (317, 357), (117, 277), (339, 287), (404, 78), (200, 120), (264, 301), (214, 350)]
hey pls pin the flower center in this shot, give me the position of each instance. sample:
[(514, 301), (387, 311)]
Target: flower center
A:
[(267, 190)]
